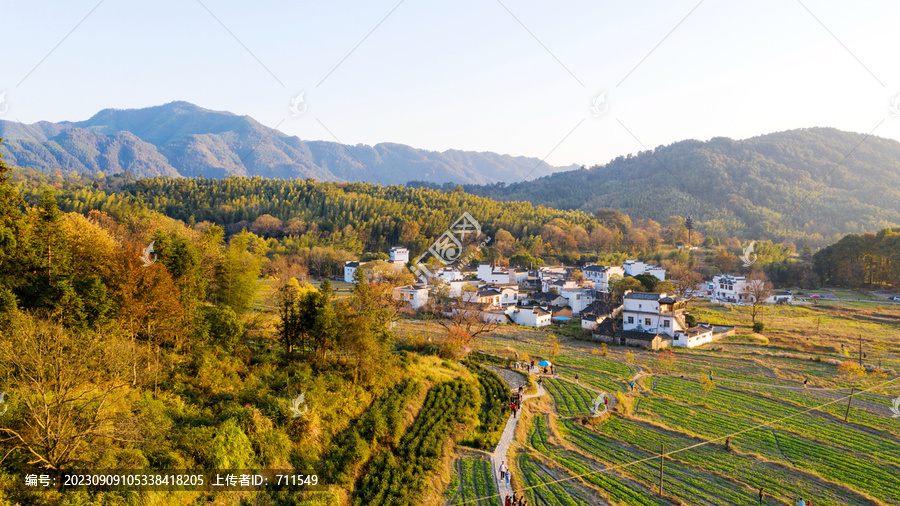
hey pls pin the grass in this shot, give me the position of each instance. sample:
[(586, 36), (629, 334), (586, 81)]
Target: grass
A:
[(472, 479)]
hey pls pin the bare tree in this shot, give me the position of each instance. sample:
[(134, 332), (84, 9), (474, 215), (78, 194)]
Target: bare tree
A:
[(66, 390), (459, 317), (757, 290)]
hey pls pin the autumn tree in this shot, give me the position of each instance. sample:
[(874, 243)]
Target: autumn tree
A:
[(66, 392), (757, 290)]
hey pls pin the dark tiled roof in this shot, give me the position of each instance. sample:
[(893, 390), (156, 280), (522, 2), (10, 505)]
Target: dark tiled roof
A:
[(351, 264), (490, 292), (642, 296), (633, 334)]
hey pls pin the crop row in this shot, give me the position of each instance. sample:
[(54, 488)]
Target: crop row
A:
[(379, 426), (778, 480), (474, 482), (813, 441), (618, 488), (397, 478), (570, 399), (494, 408), (545, 491)]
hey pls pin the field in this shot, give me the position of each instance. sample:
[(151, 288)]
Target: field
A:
[(472, 478), (784, 436)]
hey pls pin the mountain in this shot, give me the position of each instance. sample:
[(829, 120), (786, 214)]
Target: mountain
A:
[(182, 139), (812, 183)]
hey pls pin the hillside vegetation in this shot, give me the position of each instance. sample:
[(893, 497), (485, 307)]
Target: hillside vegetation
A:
[(799, 185)]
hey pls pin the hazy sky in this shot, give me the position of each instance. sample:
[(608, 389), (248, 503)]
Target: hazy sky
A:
[(515, 76)]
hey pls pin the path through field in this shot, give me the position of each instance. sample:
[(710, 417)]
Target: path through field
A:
[(499, 455)]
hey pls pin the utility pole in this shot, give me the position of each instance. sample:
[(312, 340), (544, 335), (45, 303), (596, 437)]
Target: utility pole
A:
[(849, 399), (662, 456)]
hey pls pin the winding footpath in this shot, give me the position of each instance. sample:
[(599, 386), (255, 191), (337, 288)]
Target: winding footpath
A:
[(499, 456)]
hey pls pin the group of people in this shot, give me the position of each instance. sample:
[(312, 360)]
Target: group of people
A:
[(515, 500), (504, 472)]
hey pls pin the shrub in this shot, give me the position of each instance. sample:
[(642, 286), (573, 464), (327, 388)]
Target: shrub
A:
[(758, 327)]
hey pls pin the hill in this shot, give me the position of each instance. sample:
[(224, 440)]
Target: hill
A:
[(797, 184), (182, 139)]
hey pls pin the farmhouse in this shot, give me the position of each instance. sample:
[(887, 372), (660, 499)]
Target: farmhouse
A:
[(415, 295), (653, 313), (730, 288), (529, 316), (781, 297), (595, 314), (552, 299), (350, 271), (485, 295), (634, 268), (600, 275), (694, 336)]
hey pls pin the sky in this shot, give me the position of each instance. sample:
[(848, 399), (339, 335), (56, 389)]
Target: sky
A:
[(568, 82)]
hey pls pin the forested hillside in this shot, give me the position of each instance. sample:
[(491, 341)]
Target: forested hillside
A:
[(181, 139), (798, 185)]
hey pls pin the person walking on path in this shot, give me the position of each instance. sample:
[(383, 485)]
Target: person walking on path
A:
[(507, 476), (576, 379), (801, 502), (761, 491), (503, 470)]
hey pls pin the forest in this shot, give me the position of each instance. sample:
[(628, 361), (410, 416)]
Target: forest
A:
[(811, 185)]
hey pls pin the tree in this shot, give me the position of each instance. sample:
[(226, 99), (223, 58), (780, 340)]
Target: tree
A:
[(66, 391), (553, 345), (666, 360), (618, 286), (458, 316), (757, 290), (238, 271)]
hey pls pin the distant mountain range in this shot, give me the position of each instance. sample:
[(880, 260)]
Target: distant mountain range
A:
[(807, 184), (182, 139)]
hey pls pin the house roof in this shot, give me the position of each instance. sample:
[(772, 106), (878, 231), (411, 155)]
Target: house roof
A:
[(601, 308), (351, 264), (642, 295), (634, 334), (596, 268), (490, 292), (783, 292), (697, 330), (539, 311), (546, 296)]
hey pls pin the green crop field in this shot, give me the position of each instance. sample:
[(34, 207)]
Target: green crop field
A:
[(472, 479), (570, 399)]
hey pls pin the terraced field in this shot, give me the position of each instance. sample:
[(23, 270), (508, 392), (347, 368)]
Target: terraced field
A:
[(570, 399), (473, 480)]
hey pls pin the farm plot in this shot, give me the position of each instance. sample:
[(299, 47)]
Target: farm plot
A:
[(493, 412), (863, 458), (616, 488), (397, 477), (473, 482), (748, 471), (570, 399), (545, 492)]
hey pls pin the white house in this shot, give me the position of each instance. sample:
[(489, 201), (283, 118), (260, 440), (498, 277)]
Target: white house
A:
[(483, 296), (578, 298), (350, 271), (529, 316), (593, 315), (449, 274), (730, 288), (399, 255), (783, 296), (694, 336), (494, 275), (653, 313), (415, 295), (558, 284), (601, 274), (634, 268), (509, 294)]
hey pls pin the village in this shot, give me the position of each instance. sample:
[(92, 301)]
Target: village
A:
[(560, 295)]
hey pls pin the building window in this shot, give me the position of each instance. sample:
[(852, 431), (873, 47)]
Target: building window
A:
[(666, 323), (631, 319), (647, 321)]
